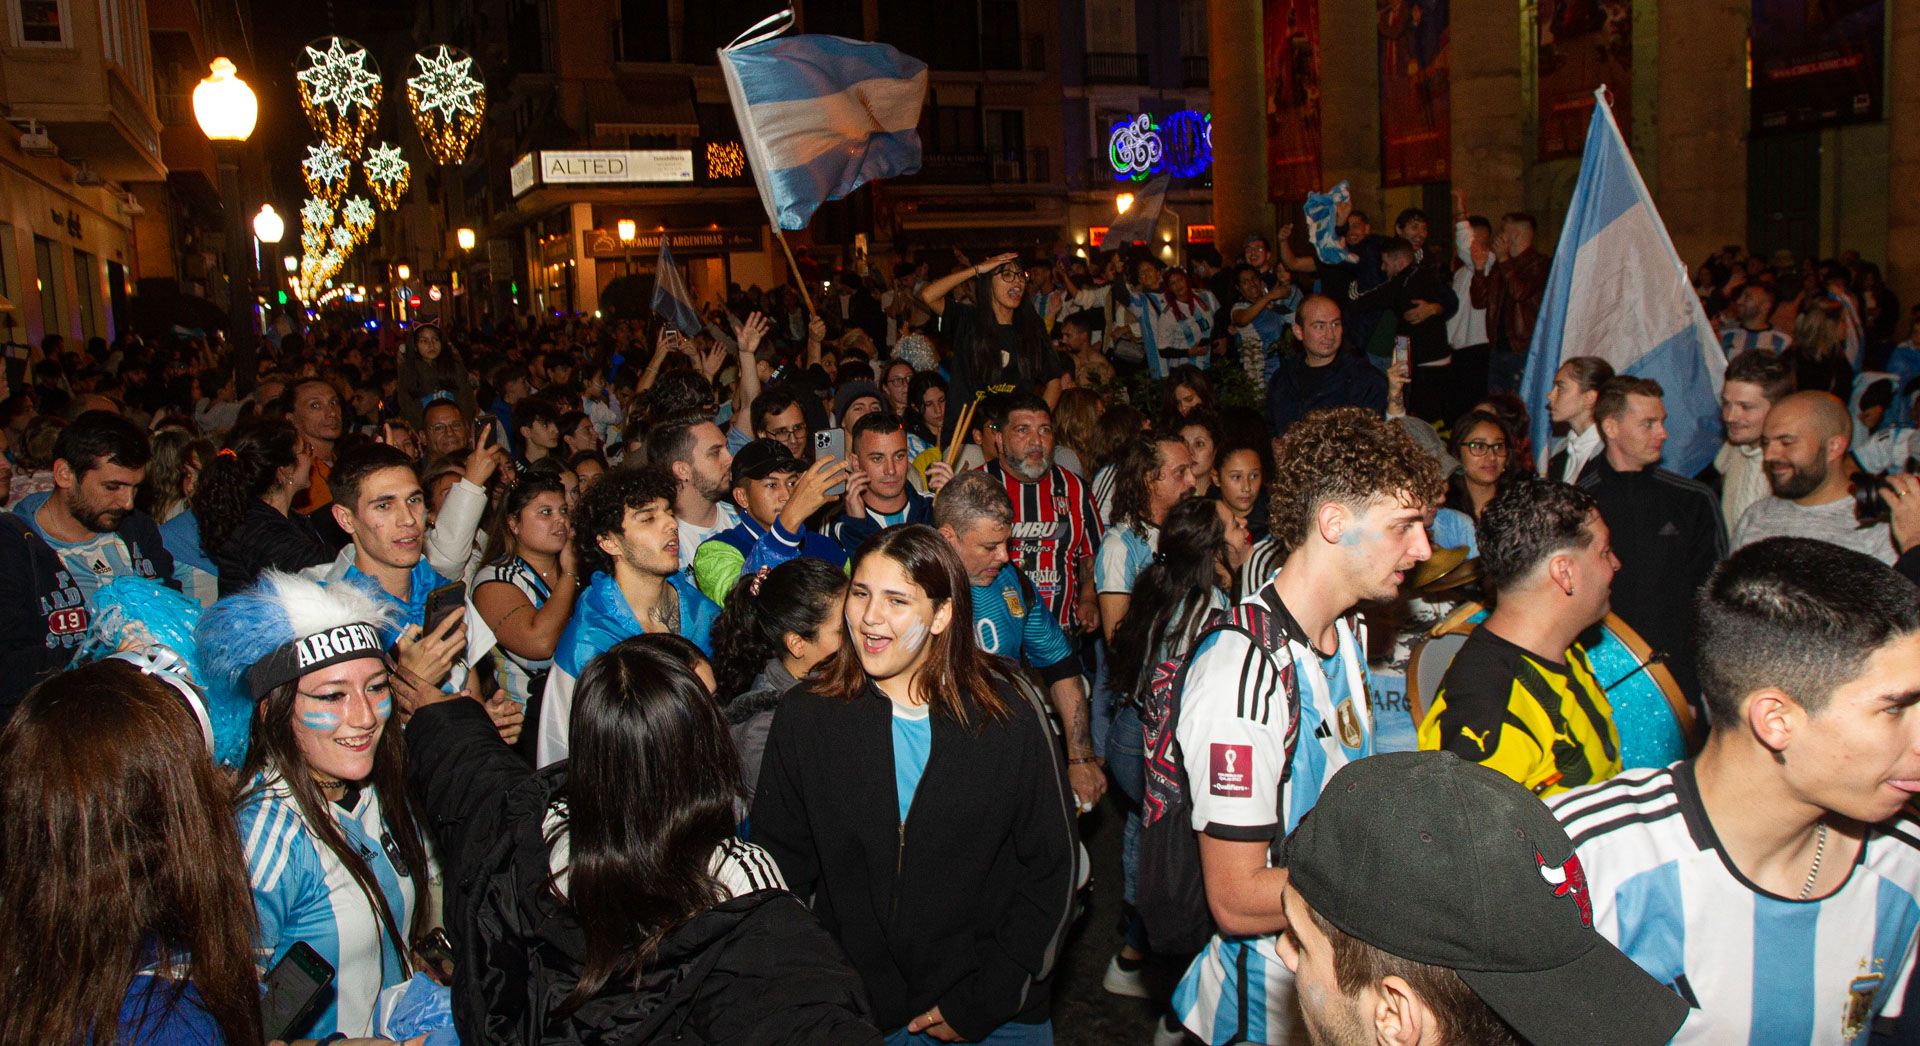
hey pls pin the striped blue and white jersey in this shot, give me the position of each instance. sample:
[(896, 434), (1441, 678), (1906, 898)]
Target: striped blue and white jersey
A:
[(1232, 733), (303, 893), (1755, 967), (1735, 339)]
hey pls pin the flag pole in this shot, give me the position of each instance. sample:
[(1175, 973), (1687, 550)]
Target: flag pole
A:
[(795, 267)]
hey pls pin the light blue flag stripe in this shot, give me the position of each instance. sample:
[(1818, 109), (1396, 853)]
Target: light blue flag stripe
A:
[(822, 115), (671, 299), (1613, 250)]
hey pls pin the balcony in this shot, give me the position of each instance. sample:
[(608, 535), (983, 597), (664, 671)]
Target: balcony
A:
[(1104, 67), (1014, 54), (955, 168), (1193, 70)]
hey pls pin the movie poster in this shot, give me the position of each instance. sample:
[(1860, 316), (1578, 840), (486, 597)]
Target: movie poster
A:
[(1817, 63), (1583, 44), (1293, 98), (1415, 143)]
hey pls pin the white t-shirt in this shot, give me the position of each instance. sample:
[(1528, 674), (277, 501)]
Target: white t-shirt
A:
[(725, 518)]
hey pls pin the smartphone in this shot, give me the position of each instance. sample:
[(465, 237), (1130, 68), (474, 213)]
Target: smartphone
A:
[(1402, 349), (436, 955), (443, 601), (294, 987), (831, 443)]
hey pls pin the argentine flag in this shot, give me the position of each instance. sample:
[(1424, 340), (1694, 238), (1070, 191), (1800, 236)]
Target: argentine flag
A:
[(1618, 290), (672, 301), (821, 116)]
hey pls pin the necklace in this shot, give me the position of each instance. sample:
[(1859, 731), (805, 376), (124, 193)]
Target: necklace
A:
[(1819, 851)]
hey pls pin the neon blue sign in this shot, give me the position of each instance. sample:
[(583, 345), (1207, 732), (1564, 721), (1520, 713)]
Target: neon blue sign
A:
[(1181, 146)]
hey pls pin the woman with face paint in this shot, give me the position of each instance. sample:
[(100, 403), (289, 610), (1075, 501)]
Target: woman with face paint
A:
[(336, 854), (915, 792)]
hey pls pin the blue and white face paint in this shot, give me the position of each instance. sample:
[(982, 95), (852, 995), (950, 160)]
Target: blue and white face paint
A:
[(339, 713)]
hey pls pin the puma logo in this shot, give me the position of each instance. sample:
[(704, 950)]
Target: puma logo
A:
[(1479, 740)]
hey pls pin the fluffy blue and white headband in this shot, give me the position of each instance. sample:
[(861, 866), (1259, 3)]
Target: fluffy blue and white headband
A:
[(287, 626)]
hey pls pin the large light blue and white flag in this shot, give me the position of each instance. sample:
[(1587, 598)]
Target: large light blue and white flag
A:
[(672, 301), (821, 116), (1619, 291), (1323, 215)]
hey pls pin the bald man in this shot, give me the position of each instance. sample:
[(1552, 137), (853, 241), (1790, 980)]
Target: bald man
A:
[(1806, 439), (1321, 375)]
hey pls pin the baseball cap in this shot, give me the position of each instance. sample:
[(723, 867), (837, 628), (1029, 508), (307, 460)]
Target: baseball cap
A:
[(762, 458), (853, 390), (1449, 863)]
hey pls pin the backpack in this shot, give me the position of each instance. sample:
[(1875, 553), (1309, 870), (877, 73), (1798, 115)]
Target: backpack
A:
[(1171, 893)]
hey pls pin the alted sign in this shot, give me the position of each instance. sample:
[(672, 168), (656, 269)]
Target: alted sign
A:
[(615, 166)]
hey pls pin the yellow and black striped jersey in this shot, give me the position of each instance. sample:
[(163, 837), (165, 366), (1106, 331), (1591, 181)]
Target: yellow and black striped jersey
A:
[(1548, 726)]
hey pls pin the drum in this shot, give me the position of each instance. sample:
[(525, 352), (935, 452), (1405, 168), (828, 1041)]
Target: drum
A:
[(1655, 723)]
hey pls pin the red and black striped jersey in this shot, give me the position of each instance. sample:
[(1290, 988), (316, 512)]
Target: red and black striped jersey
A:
[(1055, 529)]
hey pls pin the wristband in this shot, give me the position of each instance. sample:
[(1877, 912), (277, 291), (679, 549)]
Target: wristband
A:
[(1083, 760)]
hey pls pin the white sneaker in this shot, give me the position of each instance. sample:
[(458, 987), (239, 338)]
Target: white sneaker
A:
[(1168, 1032), (1124, 982)]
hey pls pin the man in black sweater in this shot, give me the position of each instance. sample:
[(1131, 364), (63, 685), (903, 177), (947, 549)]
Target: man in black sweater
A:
[(1415, 303), (1666, 528)]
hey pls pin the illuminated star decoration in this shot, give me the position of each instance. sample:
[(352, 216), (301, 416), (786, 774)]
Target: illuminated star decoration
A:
[(387, 175), (448, 103), (725, 160), (325, 171), (358, 214), (342, 238), (340, 93), (316, 213)]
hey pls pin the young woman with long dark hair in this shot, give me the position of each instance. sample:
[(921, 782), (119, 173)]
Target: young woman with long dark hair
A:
[(336, 853), (915, 792), (525, 593), (999, 343), (1191, 575), (244, 502), (612, 901), (778, 625), (123, 892), (432, 369), (1485, 448)]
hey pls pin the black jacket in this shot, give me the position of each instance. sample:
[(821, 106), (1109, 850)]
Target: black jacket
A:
[(266, 539), (1428, 338), (1349, 381), (1666, 529), (44, 618), (755, 969), (964, 906)]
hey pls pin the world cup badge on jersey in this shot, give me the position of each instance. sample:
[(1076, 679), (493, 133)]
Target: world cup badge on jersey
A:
[(1859, 1010), (1014, 606), (1348, 720)]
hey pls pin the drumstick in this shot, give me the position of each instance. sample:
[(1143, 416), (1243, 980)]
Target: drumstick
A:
[(960, 426)]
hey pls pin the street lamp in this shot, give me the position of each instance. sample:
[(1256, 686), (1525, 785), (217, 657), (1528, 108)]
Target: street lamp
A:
[(625, 227), (465, 238), (1123, 203), (268, 225), (401, 270), (291, 263), (226, 110)]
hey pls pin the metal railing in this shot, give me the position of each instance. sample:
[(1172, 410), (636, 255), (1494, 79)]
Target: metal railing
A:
[(1106, 67)]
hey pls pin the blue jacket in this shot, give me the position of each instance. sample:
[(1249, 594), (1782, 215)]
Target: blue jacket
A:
[(600, 619), (852, 533), (747, 546)]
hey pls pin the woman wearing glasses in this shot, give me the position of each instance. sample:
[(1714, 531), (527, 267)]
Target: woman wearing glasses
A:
[(1484, 445), (998, 346)]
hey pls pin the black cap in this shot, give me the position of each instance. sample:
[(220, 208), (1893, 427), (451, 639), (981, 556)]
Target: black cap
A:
[(1449, 863), (762, 458), (853, 390)]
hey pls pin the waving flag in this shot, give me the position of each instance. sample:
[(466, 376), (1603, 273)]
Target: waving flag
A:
[(1137, 225), (1322, 210), (672, 301), (821, 116), (1619, 291)]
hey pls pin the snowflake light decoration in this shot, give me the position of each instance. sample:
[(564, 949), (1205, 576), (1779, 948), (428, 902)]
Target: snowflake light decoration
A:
[(448, 102), (387, 175), (316, 213), (325, 171), (342, 238), (340, 92), (358, 214), (313, 241)]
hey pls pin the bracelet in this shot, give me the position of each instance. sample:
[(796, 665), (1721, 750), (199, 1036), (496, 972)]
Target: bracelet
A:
[(1083, 760)]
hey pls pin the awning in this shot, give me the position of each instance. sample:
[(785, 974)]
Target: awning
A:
[(616, 107)]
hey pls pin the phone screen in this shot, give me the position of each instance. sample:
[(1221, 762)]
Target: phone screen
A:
[(294, 986)]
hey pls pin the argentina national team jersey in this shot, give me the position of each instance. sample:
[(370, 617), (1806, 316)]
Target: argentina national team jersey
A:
[(1232, 734), (1009, 620), (303, 893), (1756, 968)]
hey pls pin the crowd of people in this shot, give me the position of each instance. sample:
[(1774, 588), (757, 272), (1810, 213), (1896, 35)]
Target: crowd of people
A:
[(583, 679)]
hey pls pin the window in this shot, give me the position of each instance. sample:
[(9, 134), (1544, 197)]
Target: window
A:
[(125, 28), (944, 35), (644, 32), (41, 23), (47, 282), (1007, 143), (1193, 28), (86, 286), (1110, 27), (709, 26)]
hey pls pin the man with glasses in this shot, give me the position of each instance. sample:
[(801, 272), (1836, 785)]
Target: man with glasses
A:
[(1321, 376)]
